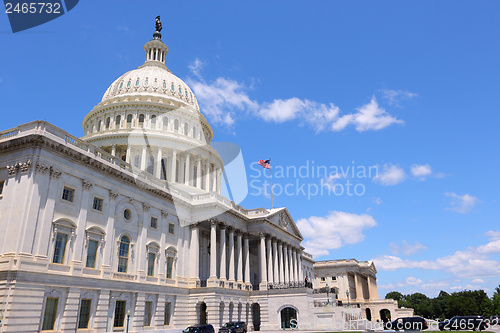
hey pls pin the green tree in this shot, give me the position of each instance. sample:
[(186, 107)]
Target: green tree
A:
[(496, 301), (440, 305), (397, 296), (420, 303)]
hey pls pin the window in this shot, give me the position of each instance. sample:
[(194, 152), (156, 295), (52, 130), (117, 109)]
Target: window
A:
[(128, 83), (151, 263), (323, 279), (1, 186), (49, 315), (146, 83), (171, 228), (68, 194), (172, 87), (186, 130), (170, 264), (108, 122), (147, 313), (60, 248), (176, 125), (153, 121), (83, 319), (165, 124), (123, 254), (121, 84), (129, 121), (99, 126), (119, 313), (97, 204), (154, 222), (151, 165), (141, 120), (334, 278), (167, 313), (118, 121), (137, 83), (126, 214), (92, 253), (137, 161), (194, 132)]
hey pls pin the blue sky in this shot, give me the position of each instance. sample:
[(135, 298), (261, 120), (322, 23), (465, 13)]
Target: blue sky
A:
[(409, 88)]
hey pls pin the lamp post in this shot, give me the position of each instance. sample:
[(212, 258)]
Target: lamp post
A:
[(348, 302), (327, 292), (128, 318)]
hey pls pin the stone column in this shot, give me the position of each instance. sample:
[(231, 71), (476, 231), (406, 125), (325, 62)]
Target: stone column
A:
[(174, 166), (262, 260), (231, 255), (110, 236), (143, 157), (270, 276), (195, 253), (219, 175), (113, 150), (182, 171), (275, 261), (158, 163), (373, 287), (285, 259), (187, 174), (299, 260), (281, 263), (239, 267), (292, 265), (207, 176), (359, 289), (246, 250), (223, 261), (298, 278), (214, 179), (127, 156), (199, 174), (77, 260), (212, 280)]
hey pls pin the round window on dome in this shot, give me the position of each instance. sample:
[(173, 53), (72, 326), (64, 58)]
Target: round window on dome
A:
[(121, 84), (128, 84), (137, 83), (146, 83), (180, 90), (172, 87), (127, 215), (164, 85)]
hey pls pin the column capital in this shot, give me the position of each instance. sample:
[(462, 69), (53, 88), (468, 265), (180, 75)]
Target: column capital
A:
[(214, 221), (112, 194), (262, 234), (230, 229), (194, 225), (86, 184)]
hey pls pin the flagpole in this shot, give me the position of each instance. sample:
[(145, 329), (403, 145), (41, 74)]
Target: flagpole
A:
[(272, 194)]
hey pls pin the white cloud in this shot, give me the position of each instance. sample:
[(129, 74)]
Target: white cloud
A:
[(406, 248), (461, 203), (493, 235), (377, 201), (394, 97), (477, 281), (221, 99), (390, 175), (333, 231), (421, 170), (412, 281)]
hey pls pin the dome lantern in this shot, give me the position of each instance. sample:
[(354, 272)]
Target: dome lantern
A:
[(156, 50)]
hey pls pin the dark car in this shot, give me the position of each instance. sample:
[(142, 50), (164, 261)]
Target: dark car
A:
[(200, 329), (234, 327), (461, 323), (495, 320), (407, 324)]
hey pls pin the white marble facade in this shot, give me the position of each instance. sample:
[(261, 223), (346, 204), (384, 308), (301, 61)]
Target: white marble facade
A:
[(130, 219)]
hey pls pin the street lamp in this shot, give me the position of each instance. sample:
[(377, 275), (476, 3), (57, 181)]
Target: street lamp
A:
[(347, 293), (327, 292), (128, 318)]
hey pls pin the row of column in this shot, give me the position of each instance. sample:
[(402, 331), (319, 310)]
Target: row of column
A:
[(187, 163), (279, 262)]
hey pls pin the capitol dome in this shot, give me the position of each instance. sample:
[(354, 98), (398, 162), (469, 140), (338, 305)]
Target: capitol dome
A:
[(151, 120)]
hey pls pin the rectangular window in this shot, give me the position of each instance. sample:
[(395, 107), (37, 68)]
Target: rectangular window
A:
[(147, 313), (1, 186), (119, 313), (97, 204), (91, 253), (49, 315), (151, 263), (334, 278), (171, 228), (68, 194), (170, 263), (60, 248), (323, 279), (83, 319), (154, 222), (167, 313)]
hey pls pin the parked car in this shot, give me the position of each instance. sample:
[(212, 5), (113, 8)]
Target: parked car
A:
[(460, 323), (234, 327), (200, 329), (495, 320), (407, 324)]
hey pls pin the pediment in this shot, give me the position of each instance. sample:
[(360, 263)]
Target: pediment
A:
[(282, 219)]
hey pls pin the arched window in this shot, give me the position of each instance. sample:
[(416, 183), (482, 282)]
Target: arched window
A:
[(108, 122), (123, 250), (165, 123), (194, 132), (153, 121), (99, 126), (186, 129), (137, 161), (141, 120), (118, 121), (151, 165), (176, 125), (129, 121)]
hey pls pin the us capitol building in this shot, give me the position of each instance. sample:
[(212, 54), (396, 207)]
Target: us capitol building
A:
[(127, 226)]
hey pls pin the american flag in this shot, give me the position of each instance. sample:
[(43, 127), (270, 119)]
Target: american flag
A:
[(265, 163)]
